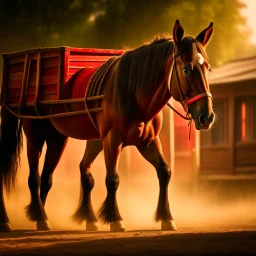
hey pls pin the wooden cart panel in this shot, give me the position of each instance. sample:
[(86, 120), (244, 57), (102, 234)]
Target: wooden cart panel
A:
[(39, 74)]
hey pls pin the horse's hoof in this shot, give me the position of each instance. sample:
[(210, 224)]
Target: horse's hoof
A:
[(43, 225), (117, 226), (92, 226), (168, 225), (5, 227)]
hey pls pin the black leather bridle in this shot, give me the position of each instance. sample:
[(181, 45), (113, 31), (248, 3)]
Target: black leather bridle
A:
[(182, 100)]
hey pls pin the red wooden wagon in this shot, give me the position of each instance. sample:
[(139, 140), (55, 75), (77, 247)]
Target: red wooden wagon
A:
[(37, 77)]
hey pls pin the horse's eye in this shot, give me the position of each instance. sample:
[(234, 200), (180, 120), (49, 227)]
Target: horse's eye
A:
[(185, 70), (210, 69)]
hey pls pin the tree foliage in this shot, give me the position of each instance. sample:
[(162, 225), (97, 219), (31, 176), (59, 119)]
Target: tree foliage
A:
[(120, 23)]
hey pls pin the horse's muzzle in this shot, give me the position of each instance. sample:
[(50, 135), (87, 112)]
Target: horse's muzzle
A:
[(205, 121)]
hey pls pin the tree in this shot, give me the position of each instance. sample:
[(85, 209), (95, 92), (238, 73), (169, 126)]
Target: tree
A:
[(129, 23), (119, 24)]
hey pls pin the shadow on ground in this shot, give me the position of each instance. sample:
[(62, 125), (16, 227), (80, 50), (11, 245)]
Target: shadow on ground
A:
[(150, 242)]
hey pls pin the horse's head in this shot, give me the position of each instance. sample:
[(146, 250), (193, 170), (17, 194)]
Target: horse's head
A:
[(189, 82)]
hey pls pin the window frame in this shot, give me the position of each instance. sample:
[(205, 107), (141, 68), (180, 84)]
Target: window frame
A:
[(207, 137), (238, 119)]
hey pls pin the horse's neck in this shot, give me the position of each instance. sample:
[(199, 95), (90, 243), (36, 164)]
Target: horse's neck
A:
[(156, 98), (150, 104)]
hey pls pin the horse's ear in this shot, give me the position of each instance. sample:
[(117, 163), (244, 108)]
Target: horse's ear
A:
[(205, 35), (178, 32)]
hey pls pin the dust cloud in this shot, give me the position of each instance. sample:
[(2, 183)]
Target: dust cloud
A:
[(137, 197)]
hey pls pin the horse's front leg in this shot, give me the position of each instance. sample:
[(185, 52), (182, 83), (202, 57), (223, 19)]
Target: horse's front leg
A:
[(153, 153), (109, 212)]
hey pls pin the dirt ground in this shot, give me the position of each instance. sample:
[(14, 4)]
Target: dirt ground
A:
[(207, 224), (186, 241)]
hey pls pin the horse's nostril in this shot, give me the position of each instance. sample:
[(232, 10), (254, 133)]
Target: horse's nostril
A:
[(202, 119), (205, 119)]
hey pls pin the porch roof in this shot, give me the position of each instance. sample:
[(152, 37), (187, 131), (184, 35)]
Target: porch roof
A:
[(234, 71)]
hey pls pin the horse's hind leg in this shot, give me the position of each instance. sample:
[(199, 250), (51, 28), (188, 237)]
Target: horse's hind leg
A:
[(35, 134), (85, 211), (56, 143), (109, 212), (4, 220), (153, 154)]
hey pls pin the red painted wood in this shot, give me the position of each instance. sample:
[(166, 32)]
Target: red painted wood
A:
[(12, 93), (47, 80), (14, 84), (51, 62), (53, 74), (17, 67), (30, 98), (15, 76), (83, 58), (83, 64), (32, 78), (50, 71)]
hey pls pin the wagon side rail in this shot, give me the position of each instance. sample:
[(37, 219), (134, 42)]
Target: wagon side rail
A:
[(53, 103)]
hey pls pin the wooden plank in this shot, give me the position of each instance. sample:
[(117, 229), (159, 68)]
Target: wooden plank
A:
[(52, 71), (14, 84), (50, 54), (49, 88), (34, 55), (38, 77), (30, 98), (66, 66), (3, 82), (35, 50), (25, 78), (17, 67), (33, 65), (16, 59), (13, 93), (49, 80), (31, 90), (49, 96), (51, 62), (85, 64), (15, 76), (95, 51), (32, 79), (59, 73), (79, 58)]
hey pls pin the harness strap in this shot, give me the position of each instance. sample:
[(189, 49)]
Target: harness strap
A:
[(187, 102), (87, 110), (178, 113), (197, 97)]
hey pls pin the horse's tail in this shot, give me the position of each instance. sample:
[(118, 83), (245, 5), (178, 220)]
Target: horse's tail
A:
[(10, 147)]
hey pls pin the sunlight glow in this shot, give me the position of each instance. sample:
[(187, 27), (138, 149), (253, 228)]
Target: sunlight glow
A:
[(249, 13)]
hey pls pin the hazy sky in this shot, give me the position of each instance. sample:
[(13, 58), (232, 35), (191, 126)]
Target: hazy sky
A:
[(251, 15)]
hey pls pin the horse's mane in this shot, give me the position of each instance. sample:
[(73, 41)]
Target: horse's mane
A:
[(141, 69)]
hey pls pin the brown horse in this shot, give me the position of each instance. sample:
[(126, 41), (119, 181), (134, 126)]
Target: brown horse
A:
[(136, 85)]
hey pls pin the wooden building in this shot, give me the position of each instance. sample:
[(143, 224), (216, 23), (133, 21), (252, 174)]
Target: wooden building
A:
[(230, 147)]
